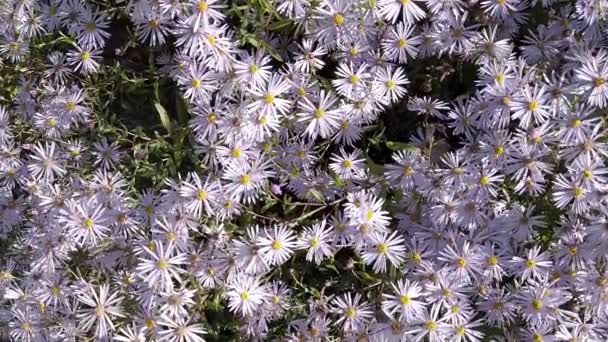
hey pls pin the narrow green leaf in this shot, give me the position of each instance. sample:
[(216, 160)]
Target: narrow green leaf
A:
[(398, 146), (375, 168), (279, 25), (271, 51), (164, 117)]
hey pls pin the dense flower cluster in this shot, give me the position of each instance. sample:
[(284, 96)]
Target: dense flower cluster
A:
[(489, 222)]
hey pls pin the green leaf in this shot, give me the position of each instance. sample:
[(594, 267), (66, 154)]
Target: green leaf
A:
[(375, 168), (279, 25), (317, 195), (182, 108), (398, 146), (164, 117), (271, 51)]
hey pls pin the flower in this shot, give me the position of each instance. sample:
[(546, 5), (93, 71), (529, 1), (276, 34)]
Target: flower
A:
[(404, 301), (246, 295), (383, 247), (102, 307), (353, 313), (160, 265), (276, 245)]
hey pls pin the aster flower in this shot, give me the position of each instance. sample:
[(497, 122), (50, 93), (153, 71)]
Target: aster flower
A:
[(86, 221), (246, 295), (593, 76), (317, 241), (353, 314), (276, 245), (410, 12), (102, 307), (404, 301), (91, 30), (322, 118), (85, 60), (400, 43), (181, 330), (383, 247), (200, 196), (45, 163), (159, 266)]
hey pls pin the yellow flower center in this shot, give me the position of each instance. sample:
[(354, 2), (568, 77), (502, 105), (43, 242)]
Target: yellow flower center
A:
[(338, 19), (537, 305), (277, 245), (150, 323), (500, 78), (212, 117), (350, 313), (431, 326), (319, 113), (314, 242), (88, 224), (533, 106), (461, 262), (599, 82), (402, 43), (347, 164), (70, 106), (268, 99), (171, 236), (370, 215), (245, 296), (530, 264), (416, 258), (201, 195), (408, 170), (587, 174), (484, 180), (382, 248), (85, 56), (354, 79), (196, 83), (162, 264), (578, 192), (573, 250), (51, 123), (390, 84), (90, 27), (245, 179), (202, 6), (499, 150), (492, 260), (236, 153), (575, 123), (405, 300)]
